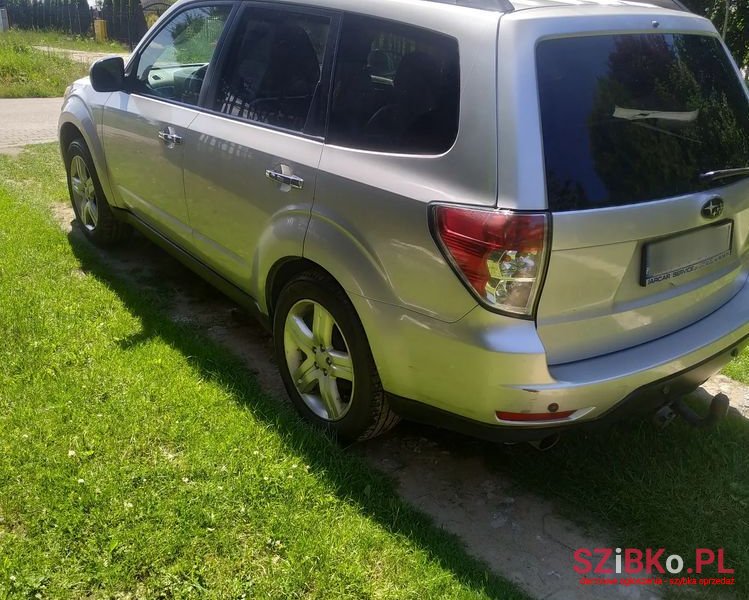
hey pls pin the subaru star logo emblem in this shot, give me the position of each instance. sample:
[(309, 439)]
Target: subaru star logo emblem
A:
[(713, 208)]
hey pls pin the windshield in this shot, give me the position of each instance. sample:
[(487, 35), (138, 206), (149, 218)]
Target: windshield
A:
[(637, 117)]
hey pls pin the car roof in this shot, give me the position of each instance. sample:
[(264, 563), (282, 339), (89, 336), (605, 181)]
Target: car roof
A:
[(511, 5)]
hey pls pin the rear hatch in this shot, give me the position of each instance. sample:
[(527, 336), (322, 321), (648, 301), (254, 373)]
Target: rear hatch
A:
[(648, 231)]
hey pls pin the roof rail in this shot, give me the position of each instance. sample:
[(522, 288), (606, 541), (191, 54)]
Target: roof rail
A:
[(507, 6), (497, 5)]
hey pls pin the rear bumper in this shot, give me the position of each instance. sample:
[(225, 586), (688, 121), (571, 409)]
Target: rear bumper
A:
[(460, 374), (641, 401)]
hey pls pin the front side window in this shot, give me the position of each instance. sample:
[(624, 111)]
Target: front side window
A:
[(638, 117), (174, 63), (274, 67), (396, 88)]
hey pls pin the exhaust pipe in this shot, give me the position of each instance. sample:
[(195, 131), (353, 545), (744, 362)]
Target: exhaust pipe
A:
[(546, 443), (717, 411)]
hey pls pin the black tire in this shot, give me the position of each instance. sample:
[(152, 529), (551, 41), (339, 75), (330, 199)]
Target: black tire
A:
[(107, 229), (368, 413)]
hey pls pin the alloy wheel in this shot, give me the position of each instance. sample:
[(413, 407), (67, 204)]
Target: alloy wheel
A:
[(84, 193), (319, 360)]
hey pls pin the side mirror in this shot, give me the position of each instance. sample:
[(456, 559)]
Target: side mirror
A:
[(108, 74)]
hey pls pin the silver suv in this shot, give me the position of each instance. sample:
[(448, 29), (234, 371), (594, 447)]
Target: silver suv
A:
[(506, 219)]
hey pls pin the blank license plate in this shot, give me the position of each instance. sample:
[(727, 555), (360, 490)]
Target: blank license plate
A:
[(685, 253)]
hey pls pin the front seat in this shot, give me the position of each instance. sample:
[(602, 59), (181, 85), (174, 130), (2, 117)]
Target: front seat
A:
[(278, 76)]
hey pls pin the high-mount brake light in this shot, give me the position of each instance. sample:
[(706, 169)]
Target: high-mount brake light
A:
[(499, 254)]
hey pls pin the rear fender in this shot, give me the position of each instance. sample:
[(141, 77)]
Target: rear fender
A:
[(282, 240), (355, 266)]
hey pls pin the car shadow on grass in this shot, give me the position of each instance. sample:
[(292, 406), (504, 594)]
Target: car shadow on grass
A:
[(678, 489), (161, 280)]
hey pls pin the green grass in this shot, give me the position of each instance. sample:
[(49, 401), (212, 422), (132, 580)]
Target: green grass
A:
[(138, 458), (738, 368), (29, 73)]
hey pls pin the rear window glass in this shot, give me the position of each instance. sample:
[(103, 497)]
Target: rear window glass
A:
[(632, 118)]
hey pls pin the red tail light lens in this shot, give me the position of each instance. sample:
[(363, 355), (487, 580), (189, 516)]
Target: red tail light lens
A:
[(500, 254)]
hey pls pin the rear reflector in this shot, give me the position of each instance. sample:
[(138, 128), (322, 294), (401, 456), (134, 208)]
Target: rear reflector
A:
[(499, 254), (524, 417)]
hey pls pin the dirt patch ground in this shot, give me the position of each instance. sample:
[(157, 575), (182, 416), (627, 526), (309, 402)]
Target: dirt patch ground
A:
[(81, 56), (519, 535)]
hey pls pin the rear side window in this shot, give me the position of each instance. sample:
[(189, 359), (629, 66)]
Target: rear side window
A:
[(396, 88), (632, 118), (274, 66)]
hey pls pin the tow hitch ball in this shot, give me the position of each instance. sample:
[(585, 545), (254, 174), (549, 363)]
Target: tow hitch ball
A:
[(716, 411)]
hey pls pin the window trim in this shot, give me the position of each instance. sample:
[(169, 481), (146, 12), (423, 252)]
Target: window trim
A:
[(208, 93), (132, 66)]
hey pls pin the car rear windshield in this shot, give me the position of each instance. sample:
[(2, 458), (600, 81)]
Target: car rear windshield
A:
[(638, 117)]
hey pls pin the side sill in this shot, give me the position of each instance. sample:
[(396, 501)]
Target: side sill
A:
[(246, 301)]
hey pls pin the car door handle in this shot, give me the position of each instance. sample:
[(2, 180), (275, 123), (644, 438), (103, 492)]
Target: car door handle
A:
[(169, 136), (290, 180)]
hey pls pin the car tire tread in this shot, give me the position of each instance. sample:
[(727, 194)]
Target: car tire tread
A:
[(381, 417), (109, 230)]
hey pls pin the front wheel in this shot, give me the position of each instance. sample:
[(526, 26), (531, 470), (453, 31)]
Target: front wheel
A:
[(325, 360), (96, 219)]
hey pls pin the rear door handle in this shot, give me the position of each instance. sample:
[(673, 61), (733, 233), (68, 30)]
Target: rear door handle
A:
[(169, 136), (291, 180)]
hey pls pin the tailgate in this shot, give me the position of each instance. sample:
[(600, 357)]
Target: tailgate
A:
[(594, 300), (648, 235)]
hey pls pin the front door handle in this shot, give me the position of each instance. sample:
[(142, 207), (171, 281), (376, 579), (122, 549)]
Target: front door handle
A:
[(169, 136), (291, 180)]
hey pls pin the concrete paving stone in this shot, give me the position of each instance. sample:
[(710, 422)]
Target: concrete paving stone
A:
[(27, 121)]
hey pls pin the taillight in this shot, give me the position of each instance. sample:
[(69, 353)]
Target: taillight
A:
[(499, 254)]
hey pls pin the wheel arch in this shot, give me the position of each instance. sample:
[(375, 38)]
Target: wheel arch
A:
[(68, 133), (76, 121), (285, 270)]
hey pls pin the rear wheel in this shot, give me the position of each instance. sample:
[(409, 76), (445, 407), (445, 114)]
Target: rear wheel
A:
[(325, 361), (95, 218)]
